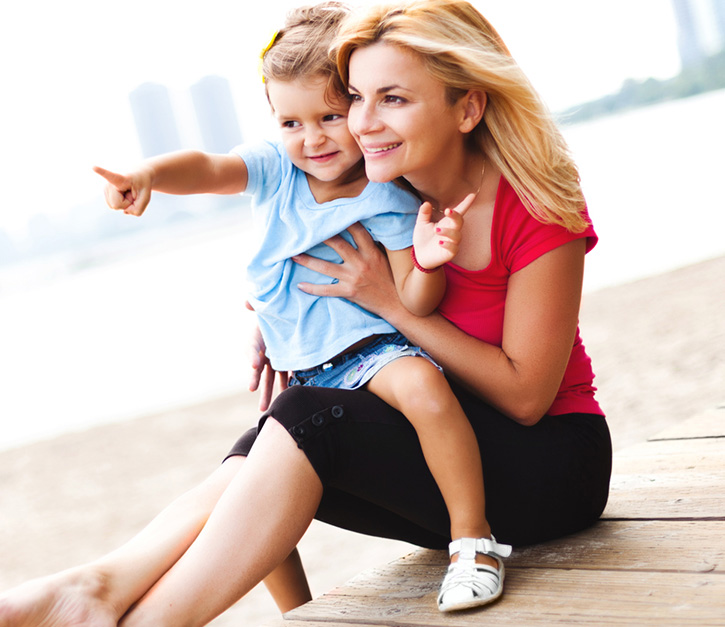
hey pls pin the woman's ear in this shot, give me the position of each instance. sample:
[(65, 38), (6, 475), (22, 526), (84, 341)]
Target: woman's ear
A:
[(474, 104)]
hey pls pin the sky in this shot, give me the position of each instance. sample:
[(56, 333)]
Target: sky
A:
[(68, 67)]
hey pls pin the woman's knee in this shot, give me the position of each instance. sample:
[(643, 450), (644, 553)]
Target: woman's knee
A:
[(297, 403), (201, 499)]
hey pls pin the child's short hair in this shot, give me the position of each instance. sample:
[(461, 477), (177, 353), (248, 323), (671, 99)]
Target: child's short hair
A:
[(301, 48)]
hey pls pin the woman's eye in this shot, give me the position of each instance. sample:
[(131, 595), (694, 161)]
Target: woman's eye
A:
[(355, 98), (394, 99)]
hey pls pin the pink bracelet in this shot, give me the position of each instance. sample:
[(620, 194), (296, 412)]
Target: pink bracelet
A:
[(418, 266)]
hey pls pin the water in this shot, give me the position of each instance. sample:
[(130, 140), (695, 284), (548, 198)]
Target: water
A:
[(162, 328), (652, 180), (166, 326)]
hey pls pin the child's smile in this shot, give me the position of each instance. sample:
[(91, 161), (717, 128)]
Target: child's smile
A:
[(314, 129)]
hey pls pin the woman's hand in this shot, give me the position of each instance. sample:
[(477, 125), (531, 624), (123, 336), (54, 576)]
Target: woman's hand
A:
[(364, 276), (436, 243), (263, 375), (129, 193)]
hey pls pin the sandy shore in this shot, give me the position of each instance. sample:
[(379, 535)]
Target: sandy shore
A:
[(658, 348)]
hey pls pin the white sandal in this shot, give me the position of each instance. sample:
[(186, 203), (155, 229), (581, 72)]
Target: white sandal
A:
[(468, 584)]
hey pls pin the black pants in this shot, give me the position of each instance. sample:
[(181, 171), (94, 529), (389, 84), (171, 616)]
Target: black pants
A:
[(541, 482)]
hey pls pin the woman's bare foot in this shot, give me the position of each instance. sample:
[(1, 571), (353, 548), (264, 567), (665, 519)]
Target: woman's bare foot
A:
[(74, 597)]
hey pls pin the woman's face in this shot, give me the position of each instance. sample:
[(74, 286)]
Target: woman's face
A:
[(399, 115)]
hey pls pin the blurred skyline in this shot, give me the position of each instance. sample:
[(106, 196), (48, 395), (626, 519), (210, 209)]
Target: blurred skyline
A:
[(71, 66)]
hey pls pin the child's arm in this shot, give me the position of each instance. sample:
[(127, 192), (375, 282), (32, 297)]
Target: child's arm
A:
[(435, 244), (183, 172)]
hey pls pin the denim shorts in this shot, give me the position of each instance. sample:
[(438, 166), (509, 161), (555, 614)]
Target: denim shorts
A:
[(352, 370)]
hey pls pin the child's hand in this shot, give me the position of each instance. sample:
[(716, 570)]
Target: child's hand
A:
[(437, 243), (129, 193)]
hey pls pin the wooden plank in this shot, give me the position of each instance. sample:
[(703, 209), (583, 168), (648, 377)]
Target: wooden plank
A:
[(533, 596), (709, 424), (283, 622), (671, 455), (699, 547), (291, 622), (669, 479), (665, 546), (423, 557), (674, 496)]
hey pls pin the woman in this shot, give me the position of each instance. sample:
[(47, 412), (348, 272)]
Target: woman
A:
[(436, 99)]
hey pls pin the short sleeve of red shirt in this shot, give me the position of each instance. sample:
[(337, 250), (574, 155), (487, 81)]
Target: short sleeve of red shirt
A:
[(475, 300), (520, 238)]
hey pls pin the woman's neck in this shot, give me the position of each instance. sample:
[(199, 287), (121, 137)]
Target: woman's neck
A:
[(449, 184)]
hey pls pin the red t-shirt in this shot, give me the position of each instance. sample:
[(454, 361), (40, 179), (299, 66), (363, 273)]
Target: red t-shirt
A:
[(474, 300)]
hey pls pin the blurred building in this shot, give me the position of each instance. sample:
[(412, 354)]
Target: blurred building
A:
[(202, 117), (688, 42), (155, 119), (216, 114), (719, 15), (700, 29)]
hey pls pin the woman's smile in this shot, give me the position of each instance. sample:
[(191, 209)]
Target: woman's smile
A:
[(374, 150), (400, 116)]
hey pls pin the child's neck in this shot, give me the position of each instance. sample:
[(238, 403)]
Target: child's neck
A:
[(349, 185)]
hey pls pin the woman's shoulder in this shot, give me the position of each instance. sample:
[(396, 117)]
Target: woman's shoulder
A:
[(512, 221), (520, 236)]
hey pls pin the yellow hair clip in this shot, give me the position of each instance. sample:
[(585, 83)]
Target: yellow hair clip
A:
[(265, 51)]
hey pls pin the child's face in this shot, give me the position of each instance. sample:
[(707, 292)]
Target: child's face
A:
[(314, 131)]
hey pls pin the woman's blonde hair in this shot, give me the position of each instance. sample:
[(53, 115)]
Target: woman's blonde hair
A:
[(463, 51), (301, 48)]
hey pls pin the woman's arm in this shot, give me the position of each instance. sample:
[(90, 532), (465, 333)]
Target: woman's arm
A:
[(522, 377), (263, 376), (182, 172)]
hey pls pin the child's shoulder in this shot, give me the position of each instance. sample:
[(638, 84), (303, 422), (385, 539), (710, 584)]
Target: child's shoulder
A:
[(260, 149), (393, 191), (269, 168)]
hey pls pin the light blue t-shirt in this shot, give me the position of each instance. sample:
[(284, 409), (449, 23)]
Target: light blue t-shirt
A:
[(301, 330)]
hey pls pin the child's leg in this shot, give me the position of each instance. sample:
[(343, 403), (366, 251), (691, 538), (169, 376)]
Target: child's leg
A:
[(419, 390)]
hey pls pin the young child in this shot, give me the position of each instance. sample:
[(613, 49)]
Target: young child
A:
[(307, 189)]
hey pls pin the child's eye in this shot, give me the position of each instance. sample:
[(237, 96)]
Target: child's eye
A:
[(332, 117), (290, 124)]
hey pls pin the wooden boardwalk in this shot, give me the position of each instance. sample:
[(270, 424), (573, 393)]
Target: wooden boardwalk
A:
[(657, 557)]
